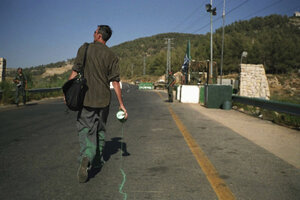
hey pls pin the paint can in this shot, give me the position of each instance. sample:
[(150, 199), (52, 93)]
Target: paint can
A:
[(121, 116)]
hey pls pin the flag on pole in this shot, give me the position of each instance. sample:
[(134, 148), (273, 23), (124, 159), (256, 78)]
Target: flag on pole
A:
[(187, 58)]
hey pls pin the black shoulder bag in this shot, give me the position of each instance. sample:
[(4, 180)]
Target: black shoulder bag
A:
[(75, 89)]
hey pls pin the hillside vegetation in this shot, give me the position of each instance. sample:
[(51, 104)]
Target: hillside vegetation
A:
[(273, 41)]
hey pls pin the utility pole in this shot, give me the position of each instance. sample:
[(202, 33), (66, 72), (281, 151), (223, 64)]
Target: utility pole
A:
[(132, 70), (211, 44), (212, 12), (144, 71), (222, 53), (168, 67), (244, 54)]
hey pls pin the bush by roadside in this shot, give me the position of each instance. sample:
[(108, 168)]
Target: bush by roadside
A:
[(283, 119), (8, 94)]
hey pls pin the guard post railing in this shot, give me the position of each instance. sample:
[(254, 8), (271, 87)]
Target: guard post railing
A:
[(38, 90), (283, 107)]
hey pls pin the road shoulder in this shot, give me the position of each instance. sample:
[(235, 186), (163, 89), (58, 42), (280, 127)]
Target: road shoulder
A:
[(280, 141)]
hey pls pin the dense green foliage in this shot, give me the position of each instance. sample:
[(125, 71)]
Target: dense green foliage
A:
[(291, 121), (7, 94), (34, 80), (273, 41)]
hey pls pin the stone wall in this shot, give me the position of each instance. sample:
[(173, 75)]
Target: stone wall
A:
[(2, 69), (253, 81)]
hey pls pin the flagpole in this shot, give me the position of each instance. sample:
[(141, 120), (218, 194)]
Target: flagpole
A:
[(189, 59), (211, 44), (186, 63)]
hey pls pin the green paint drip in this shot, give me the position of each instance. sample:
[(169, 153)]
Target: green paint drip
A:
[(90, 149), (87, 147), (101, 141), (122, 185), (122, 171)]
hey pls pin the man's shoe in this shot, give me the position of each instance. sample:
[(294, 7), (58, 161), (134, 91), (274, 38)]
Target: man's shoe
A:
[(83, 173)]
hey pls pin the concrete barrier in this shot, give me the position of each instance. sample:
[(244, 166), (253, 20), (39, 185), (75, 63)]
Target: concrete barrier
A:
[(190, 94), (178, 93), (146, 86)]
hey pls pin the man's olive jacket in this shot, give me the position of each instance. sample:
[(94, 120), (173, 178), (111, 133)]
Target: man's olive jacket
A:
[(101, 67)]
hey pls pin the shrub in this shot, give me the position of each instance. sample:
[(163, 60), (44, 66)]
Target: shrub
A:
[(8, 94)]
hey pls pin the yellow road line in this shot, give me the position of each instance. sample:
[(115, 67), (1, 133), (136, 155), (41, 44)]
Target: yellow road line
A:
[(222, 191), (159, 94)]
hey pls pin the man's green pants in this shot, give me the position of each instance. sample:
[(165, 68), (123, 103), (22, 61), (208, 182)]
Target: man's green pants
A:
[(91, 131)]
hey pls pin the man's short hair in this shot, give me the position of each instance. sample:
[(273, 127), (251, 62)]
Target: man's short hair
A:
[(105, 31)]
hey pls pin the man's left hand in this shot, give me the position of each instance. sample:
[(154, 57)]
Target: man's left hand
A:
[(125, 111)]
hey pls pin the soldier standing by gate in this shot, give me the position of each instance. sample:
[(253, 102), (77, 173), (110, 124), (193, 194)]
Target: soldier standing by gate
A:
[(171, 82), (21, 85)]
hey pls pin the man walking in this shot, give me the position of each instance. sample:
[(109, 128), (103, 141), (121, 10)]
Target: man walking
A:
[(171, 82), (101, 68), (21, 85)]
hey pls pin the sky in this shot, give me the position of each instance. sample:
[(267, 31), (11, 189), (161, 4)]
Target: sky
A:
[(39, 32)]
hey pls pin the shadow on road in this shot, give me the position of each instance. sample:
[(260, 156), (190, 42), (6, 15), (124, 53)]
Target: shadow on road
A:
[(111, 147), (31, 104)]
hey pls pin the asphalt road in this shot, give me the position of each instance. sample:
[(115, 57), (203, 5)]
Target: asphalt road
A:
[(39, 149)]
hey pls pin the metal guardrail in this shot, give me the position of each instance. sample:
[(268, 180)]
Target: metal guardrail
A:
[(39, 90), (288, 108)]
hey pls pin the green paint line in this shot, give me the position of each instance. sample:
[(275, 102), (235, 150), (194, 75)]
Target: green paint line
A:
[(122, 171), (122, 185)]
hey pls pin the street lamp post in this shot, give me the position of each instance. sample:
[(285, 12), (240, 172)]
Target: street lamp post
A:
[(212, 12), (244, 54), (222, 53)]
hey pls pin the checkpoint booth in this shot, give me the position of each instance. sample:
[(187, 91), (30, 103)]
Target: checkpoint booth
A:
[(204, 89), (210, 95)]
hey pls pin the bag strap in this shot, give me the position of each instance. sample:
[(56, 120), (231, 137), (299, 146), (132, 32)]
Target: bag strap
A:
[(84, 59)]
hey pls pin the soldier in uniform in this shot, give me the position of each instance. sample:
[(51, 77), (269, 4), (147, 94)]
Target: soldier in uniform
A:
[(21, 85), (171, 82)]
